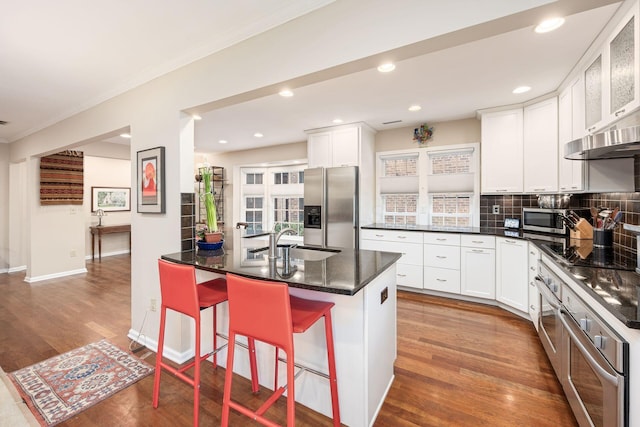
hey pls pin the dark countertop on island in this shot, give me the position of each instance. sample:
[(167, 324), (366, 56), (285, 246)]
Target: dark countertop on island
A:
[(616, 289), (346, 272)]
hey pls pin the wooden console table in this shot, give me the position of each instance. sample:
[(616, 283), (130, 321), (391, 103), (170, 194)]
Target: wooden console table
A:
[(106, 229)]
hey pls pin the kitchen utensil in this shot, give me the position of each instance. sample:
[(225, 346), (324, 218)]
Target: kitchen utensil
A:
[(575, 217), (594, 216), (569, 222), (553, 201)]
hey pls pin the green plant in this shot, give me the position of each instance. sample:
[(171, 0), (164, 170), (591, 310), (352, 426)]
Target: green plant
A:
[(209, 202)]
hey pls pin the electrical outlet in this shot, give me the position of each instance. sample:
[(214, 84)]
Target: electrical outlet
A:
[(496, 209), (384, 295), (152, 304), (73, 253)]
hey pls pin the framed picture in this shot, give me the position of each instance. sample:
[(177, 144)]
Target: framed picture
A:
[(151, 194), (110, 199)]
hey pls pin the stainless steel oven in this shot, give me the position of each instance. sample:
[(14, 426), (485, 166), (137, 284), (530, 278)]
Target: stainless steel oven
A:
[(549, 327), (595, 366)]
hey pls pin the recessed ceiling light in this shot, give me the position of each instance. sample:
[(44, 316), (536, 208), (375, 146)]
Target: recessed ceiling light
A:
[(549, 25), (521, 89), (386, 67), (223, 141), (196, 117), (337, 121), (286, 93), (258, 135), (125, 135), (415, 108)]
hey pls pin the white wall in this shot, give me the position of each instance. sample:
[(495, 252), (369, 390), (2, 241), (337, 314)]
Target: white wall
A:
[(445, 133), (18, 236), (105, 172), (4, 207)]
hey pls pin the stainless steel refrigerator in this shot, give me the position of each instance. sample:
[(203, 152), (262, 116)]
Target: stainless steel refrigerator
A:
[(331, 207)]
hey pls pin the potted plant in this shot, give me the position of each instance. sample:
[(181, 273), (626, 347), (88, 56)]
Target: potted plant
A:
[(211, 233)]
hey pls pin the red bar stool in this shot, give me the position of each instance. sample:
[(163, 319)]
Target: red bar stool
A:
[(264, 311), (181, 293)]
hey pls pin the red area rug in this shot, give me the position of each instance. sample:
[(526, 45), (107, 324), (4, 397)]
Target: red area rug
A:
[(61, 387)]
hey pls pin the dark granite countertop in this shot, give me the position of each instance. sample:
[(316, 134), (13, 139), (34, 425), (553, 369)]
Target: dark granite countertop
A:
[(346, 272), (610, 278)]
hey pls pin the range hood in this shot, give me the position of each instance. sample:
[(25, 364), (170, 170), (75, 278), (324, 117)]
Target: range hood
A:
[(619, 141)]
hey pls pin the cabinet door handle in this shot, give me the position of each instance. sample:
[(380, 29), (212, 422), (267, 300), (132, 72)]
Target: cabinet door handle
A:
[(477, 241), (402, 237), (574, 187), (441, 280), (533, 308), (440, 239), (501, 190), (620, 112), (532, 253), (379, 235), (510, 241), (478, 251), (401, 275), (440, 256), (591, 129), (539, 189)]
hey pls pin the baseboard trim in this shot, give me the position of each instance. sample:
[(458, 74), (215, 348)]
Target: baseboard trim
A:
[(108, 254), (17, 269), (168, 352), (30, 279)]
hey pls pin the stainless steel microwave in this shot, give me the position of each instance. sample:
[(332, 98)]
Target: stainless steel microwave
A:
[(548, 220)]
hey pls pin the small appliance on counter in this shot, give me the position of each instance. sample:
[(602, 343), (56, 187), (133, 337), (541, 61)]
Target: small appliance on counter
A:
[(551, 220)]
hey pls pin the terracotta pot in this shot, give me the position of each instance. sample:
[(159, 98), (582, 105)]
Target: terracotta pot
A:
[(212, 237)]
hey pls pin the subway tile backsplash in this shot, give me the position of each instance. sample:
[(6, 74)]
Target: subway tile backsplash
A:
[(510, 206)]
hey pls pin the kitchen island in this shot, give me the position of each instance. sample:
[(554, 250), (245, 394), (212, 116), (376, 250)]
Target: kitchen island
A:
[(361, 283)]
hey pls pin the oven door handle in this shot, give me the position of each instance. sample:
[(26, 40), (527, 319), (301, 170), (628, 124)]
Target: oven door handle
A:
[(613, 379), (549, 297)]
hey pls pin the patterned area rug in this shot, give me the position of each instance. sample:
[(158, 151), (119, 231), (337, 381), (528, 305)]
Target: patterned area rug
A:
[(59, 388)]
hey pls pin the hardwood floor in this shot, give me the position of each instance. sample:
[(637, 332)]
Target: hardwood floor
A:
[(459, 364)]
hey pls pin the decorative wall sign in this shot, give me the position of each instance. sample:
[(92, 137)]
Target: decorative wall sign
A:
[(422, 134), (151, 179), (110, 199), (62, 178)]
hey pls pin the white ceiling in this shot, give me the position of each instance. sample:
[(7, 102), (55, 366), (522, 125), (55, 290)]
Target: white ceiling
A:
[(50, 69), (58, 58), (449, 84)]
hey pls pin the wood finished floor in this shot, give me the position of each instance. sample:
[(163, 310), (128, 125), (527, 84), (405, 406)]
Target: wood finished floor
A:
[(459, 364)]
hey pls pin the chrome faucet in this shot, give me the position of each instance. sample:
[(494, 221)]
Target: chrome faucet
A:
[(274, 238)]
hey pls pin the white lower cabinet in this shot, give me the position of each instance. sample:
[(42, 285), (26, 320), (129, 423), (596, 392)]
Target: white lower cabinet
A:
[(478, 266), (534, 294), (442, 262), (408, 243), (512, 275)]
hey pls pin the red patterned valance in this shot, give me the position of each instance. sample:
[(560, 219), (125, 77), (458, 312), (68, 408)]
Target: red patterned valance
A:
[(62, 179)]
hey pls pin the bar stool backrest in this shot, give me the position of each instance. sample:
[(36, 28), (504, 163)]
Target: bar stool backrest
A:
[(260, 309), (178, 288)]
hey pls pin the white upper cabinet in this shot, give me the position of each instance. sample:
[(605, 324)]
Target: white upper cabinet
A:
[(593, 95), (340, 146), (622, 91), (501, 152), (541, 147), (570, 127)]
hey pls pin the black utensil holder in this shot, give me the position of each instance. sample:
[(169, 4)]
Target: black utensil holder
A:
[(602, 238)]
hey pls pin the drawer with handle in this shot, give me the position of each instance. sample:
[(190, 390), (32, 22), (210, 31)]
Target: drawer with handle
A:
[(392, 235), (478, 241), (442, 239), (442, 279), (442, 256)]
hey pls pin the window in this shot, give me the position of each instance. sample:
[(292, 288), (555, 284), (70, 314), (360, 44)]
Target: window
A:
[(253, 214), (432, 186), (272, 198), (253, 178), (399, 189), (287, 212)]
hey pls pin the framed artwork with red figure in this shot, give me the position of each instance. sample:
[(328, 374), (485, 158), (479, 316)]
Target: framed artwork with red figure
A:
[(151, 195)]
